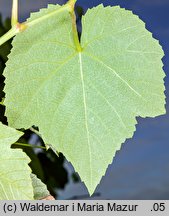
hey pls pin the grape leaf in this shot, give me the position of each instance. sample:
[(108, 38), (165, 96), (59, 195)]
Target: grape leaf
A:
[(85, 103), (39, 188), (15, 181)]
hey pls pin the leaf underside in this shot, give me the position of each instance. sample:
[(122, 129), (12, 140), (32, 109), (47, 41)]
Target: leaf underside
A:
[(15, 181), (85, 103), (39, 188)]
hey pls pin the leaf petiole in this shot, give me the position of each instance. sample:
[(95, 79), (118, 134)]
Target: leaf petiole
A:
[(12, 32), (14, 18), (71, 4), (19, 27), (29, 145)]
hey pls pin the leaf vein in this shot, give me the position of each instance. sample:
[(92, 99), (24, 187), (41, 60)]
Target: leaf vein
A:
[(114, 72), (107, 101), (85, 115)]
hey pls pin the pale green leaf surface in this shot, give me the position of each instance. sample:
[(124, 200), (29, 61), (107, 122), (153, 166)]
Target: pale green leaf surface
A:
[(85, 103), (15, 181), (39, 188)]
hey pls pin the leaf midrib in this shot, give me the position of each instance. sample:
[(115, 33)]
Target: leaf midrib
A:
[(85, 115)]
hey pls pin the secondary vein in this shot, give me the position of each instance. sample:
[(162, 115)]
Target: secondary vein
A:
[(115, 73)]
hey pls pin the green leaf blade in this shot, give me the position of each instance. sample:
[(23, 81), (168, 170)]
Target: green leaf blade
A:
[(39, 188), (15, 182), (85, 103), (128, 45)]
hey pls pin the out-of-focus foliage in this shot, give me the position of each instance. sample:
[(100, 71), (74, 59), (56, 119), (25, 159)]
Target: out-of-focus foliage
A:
[(4, 51)]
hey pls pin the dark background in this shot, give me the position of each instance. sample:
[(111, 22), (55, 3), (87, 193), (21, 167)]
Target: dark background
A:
[(140, 169)]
